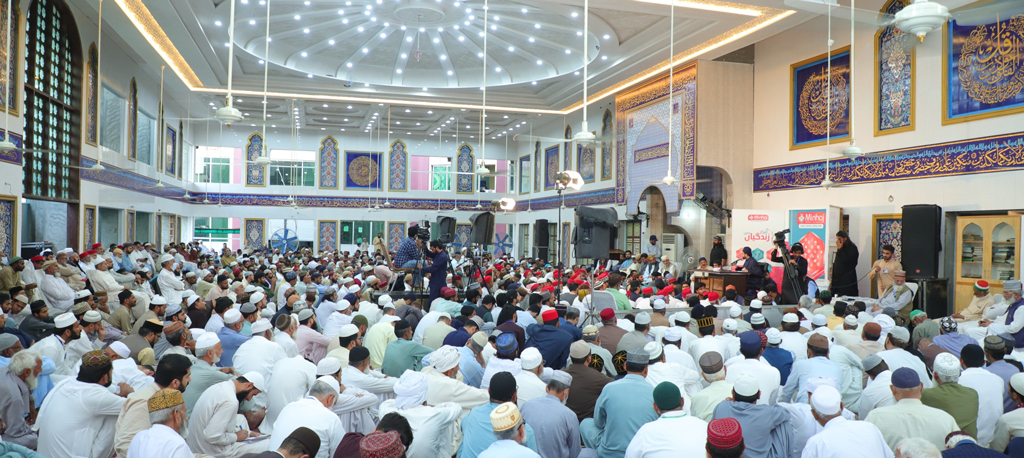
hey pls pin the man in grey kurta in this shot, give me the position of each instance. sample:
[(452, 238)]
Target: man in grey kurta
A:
[(555, 425), (767, 432), (14, 405)]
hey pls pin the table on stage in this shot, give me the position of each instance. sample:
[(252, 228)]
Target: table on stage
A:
[(718, 281)]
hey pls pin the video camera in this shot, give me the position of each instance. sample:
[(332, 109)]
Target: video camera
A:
[(423, 230), (780, 237)]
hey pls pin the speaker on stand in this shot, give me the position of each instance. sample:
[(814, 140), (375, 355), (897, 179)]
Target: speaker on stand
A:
[(541, 241)]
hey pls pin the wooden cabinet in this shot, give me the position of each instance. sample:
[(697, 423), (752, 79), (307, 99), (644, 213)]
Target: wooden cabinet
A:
[(987, 248)]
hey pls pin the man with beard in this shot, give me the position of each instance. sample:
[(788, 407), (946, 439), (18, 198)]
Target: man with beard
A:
[(844, 267), (141, 344), (205, 372), (54, 346), (172, 373), (77, 418), (17, 381), (166, 411), (216, 428), (718, 257)]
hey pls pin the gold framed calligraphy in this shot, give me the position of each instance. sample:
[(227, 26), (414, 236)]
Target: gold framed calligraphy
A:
[(819, 94), (983, 69)]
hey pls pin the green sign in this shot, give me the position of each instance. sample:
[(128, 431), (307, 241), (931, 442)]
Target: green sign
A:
[(206, 231)]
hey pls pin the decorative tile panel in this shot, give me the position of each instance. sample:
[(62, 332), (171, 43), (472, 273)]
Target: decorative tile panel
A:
[(170, 151), (567, 148), (463, 231), (255, 175), (8, 226), (983, 69), (820, 100), (566, 255), (894, 77), (464, 166), (89, 226), (255, 232), (362, 171), (889, 231), (327, 235), (607, 154), (398, 173), (133, 120), (396, 232), (586, 162), (91, 94), (327, 163), (12, 156), (129, 232), (551, 167)]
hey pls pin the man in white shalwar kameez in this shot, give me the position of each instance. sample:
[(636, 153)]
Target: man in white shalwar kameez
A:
[(289, 381), (355, 407), (445, 385), (674, 434), (215, 428), (259, 353), (54, 346), (688, 381), (359, 374), (78, 417), (433, 426), (840, 435), (313, 412), (163, 439)]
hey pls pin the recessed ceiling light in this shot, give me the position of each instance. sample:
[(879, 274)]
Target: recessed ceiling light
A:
[(422, 29), (398, 122), (366, 50), (456, 27), (360, 29), (604, 57), (369, 7), (568, 51), (424, 89), (330, 42), (304, 54), (349, 64), (387, 24), (373, 19), (297, 17), (349, 107), (346, 119), (440, 29), (511, 49), (399, 71), (444, 57), (404, 55), (462, 38), (480, 54), (450, 72), (348, 3), (344, 21), (494, 27), (309, 75), (505, 117), (606, 36), (383, 35), (534, 83), (409, 39), (341, 12), (252, 22), (325, 119), (531, 39), (306, 3), (480, 34), (227, 45), (403, 27), (417, 124), (579, 33), (430, 112), (408, 110), (366, 12), (472, 17), (574, 14), (576, 73), (497, 69), (466, 22), (437, 40), (496, 18), (273, 125), (211, 104), (262, 61), (218, 23)]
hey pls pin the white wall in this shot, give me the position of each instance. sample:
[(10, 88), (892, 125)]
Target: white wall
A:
[(989, 191)]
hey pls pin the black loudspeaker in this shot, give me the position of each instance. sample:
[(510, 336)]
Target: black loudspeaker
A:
[(595, 232), (932, 297), (921, 241), (540, 252), (483, 228), (445, 229), (542, 238)]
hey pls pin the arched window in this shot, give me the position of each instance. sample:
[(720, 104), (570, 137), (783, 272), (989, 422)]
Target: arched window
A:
[(52, 93)]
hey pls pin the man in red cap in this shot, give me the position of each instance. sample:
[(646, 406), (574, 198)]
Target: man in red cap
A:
[(725, 438), (609, 332), (979, 303), (552, 342)]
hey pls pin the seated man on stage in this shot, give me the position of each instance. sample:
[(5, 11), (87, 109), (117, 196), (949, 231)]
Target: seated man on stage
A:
[(898, 296), (981, 301)]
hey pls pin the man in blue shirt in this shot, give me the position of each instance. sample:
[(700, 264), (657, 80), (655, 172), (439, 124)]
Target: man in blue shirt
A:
[(438, 271), (552, 342), (477, 431), (779, 358), (623, 407), (230, 336), (407, 254), (817, 364)]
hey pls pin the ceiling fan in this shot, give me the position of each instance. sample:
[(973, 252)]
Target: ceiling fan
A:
[(229, 114)]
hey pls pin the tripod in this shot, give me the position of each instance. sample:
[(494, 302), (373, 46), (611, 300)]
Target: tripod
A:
[(789, 269)]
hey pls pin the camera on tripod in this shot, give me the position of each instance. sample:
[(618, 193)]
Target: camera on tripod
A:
[(423, 231)]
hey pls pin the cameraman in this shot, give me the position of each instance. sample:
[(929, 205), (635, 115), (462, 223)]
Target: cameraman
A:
[(797, 269), (408, 252), (438, 271)]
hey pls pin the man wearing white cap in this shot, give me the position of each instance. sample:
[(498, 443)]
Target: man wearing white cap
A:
[(377, 338), (313, 412), (205, 372), (1012, 322), (950, 396), (530, 384), (347, 339), (636, 338), (658, 370), (556, 428), (170, 285), (792, 339), (433, 425), (896, 357), (1011, 424), (215, 428), (260, 352), (443, 378), (55, 290), (290, 378), (765, 427), (230, 336), (54, 346), (751, 364), (172, 373), (840, 436)]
